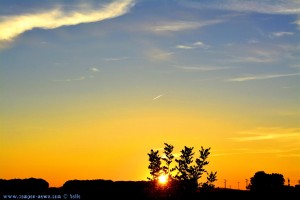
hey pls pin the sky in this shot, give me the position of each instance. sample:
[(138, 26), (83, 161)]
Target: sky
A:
[(88, 88)]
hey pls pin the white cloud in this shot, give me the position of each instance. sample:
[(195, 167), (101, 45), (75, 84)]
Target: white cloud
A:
[(297, 22), (266, 6), (195, 45), (175, 26), (12, 26), (116, 59), (284, 7), (94, 69), (70, 80), (159, 54), (157, 97), (280, 34), (202, 68), (257, 56), (184, 47), (261, 77), (255, 59), (201, 45)]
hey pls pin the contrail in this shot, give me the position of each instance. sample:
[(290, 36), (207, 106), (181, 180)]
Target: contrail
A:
[(155, 98)]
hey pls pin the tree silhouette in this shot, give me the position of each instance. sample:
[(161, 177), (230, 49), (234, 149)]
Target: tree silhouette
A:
[(168, 159), (210, 179), (263, 182), (188, 170), (155, 164)]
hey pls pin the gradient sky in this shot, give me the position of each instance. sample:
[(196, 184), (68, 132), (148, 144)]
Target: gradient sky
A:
[(89, 87)]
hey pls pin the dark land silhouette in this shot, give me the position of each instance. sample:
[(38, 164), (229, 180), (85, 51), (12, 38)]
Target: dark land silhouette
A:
[(108, 189)]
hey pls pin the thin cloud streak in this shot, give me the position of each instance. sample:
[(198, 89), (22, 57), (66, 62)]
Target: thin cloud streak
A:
[(175, 26), (157, 97), (268, 134), (278, 152), (13, 26), (280, 34), (263, 77), (116, 59), (157, 54), (94, 69), (204, 68), (184, 47), (277, 7), (70, 80), (195, 45), (267, 137)]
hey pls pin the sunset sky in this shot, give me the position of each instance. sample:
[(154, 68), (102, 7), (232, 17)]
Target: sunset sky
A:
[(88, 88)]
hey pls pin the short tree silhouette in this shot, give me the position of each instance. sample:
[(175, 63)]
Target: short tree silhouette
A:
[(188, 170), (210, 179), (263, 182)]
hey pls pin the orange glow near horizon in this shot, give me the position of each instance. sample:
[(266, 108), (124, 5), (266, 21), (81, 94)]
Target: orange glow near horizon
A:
[(80, 150)]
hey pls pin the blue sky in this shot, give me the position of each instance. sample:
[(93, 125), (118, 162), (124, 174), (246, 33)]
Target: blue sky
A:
[(170, 43), (83, 61)]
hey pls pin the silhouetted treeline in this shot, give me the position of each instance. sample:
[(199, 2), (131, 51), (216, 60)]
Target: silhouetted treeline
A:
[(22, 186), (113, 189), (263, 182), (107, 189)]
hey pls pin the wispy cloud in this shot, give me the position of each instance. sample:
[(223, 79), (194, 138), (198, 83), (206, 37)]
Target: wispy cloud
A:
[(116, 59), (70, 80), (297, 22), (281, 34), (12, 26), (261, 77), (157, 54), (257, 55), (268, 7), (201, 44), (254, 59), (283, 152), (195, 45), (93, 69), (174, 26), (268, 133), (184, 47), (201, 68), (253, 41), (157, 97), (286, 7)]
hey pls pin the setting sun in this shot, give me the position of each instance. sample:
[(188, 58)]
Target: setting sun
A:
[(163, 179)]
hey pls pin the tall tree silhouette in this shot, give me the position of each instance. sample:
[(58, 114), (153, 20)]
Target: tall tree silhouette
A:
[(155, 164), (168, 159)]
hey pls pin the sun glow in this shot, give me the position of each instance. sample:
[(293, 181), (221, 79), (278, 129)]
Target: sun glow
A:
[(163, 179)]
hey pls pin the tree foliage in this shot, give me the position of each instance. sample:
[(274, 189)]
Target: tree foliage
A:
[(188, 169), (168, 159), (155, 164), (263, 182)]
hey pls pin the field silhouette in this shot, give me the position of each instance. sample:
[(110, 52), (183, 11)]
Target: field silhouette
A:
[(108, 189)]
